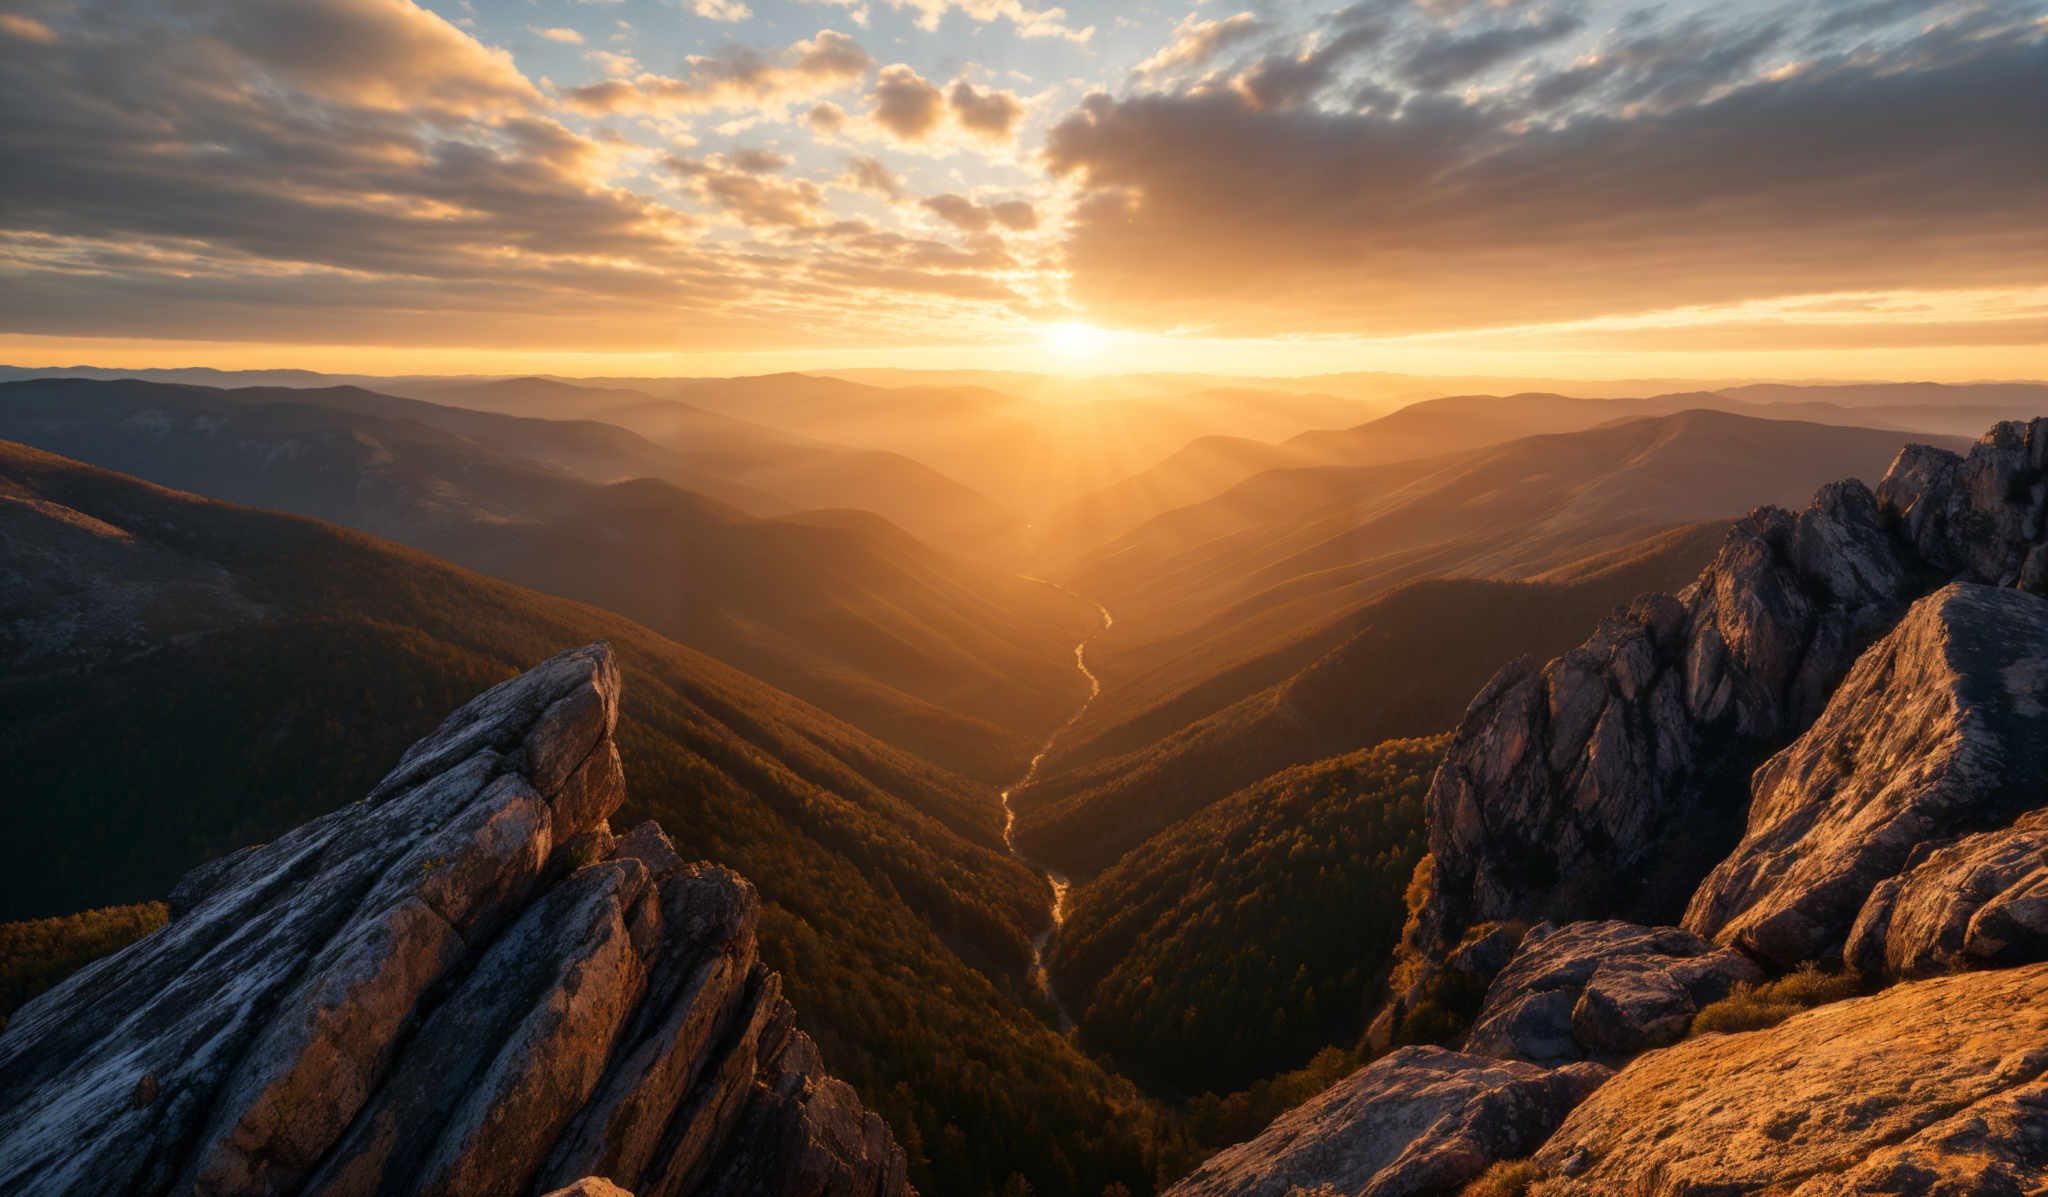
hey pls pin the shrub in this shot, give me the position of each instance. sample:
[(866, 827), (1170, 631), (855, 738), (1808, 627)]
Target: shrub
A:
[(1754, 1007), (1743, 1010), (1509, 1178)]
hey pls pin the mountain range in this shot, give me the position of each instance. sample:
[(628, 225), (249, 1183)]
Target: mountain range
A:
[(1301, 875)]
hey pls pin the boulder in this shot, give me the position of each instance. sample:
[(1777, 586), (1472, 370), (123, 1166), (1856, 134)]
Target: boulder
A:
[(1940, 731), (1928, 1087), (437, 990), (1602, 989), (1422, 1120), (1981, 900)]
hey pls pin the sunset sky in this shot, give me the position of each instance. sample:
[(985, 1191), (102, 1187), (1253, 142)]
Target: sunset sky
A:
[(1856, 188)]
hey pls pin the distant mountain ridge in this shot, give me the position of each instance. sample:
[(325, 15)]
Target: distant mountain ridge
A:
[(963, 663)]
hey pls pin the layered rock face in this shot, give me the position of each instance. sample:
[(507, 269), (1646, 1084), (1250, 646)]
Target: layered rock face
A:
[(1562, 783), (460, 984), (1602, 990), (1940, 731), (1935, 1087), (1422, 1120)]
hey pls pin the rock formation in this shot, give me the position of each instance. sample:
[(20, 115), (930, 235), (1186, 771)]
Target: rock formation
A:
[(1422, 1120), (1884, 657), (1564, 787), (1931, 1087), (460, 984), (1602, 989), (1940, 731), (1979, 901)]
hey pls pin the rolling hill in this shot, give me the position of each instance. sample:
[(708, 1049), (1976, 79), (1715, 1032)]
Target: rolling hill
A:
[(1289, 548), (1428, 427), (1402, 665), (965, 664), (179, 677)]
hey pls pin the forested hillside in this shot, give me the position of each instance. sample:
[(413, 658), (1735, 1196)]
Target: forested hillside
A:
[(193, 677)]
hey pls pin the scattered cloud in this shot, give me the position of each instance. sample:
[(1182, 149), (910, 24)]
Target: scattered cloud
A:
[(1196, 41), (568, 37), (990, 114), (869, 174), (721, 10), (739, 78), (905, 103)]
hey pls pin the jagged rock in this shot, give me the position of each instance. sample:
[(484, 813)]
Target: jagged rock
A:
[(1928, 1087), (1561, 785), (1982, 900), (1601, 989), (1939, 731), (438, 990), (1422, 1120)]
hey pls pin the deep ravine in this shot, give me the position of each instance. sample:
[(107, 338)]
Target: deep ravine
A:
[(1058, 881)]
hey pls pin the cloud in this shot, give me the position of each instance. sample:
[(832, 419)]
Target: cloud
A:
[(568, 37), (1917, 166), (906, 103), (964, 213), (411, 187), (1289, 81), (1014, 214), (1029, 22), (744, 187), (1452, 59), (990, 114), (869, 174), (1196, 41), (721, 10), (23, 27), (908, 107), (826, 117), (757, 161), (738, 78), (960, 212)]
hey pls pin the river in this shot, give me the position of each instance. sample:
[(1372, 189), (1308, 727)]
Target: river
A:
[(1039, 973)]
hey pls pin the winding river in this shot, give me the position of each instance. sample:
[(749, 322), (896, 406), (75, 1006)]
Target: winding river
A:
[(1058, 881)]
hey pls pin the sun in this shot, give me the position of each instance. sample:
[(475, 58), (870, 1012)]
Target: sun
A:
[(1074, 340)]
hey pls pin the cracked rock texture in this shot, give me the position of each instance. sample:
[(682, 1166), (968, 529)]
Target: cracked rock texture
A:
[(1422, 1120), (1575, 790), (459, 984), (1930, 1087), (1604, 989), (1940, 732)]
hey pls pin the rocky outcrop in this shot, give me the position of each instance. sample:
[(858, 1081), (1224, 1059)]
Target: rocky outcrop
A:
[(1980, 901), (460, 984), (1563, 786), (1931, 1087), (1940, 731), (1422, 1120), (1606, 989)]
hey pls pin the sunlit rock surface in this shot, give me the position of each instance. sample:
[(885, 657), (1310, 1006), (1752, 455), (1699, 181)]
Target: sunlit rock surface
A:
[(1930, 1087), (460, 984), (1940, 732)]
